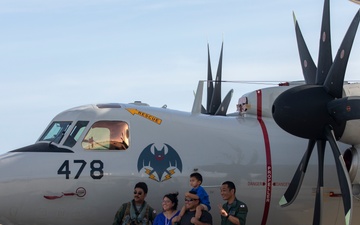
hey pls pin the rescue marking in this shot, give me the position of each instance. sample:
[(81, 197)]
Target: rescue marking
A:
[(145, 115)]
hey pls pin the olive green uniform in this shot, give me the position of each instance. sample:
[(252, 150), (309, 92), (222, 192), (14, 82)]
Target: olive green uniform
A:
[(124, 213), (237, 209)]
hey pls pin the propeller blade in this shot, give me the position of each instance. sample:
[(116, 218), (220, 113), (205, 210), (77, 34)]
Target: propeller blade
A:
[(295, 184), (345, 109), (335, 79), (307, 63), (197, 106), (203, 110), (216, 97), (343, 176), (325, 56), (225, 104), (320, 185), (210, 85)]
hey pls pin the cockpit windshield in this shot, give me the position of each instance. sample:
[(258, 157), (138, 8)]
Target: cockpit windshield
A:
[(102, 135), (55, 131), (75, 133), (107, 135)]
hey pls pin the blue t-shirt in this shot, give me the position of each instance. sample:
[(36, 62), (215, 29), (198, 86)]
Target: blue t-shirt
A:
[(203, 196), (160, 219)]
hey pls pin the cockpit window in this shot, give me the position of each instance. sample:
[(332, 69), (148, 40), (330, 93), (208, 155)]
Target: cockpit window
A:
[(107, 135), (55, 131), (75, 133)]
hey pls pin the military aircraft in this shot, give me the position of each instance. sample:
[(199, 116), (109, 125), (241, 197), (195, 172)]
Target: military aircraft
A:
[(87, 161)]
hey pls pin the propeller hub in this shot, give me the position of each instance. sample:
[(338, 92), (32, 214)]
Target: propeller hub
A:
[(303, 112)]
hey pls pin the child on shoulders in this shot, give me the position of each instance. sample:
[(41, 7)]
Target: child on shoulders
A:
[(195, 182)]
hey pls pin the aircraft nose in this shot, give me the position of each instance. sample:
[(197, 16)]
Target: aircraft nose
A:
[(11, 186)]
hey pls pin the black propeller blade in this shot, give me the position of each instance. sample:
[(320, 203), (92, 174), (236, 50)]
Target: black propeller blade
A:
[(320, 184), (325, 55), (210, 85), (345, 109), (343, 175), (214, 105), (216, 95), (307, 63), (225, 104), (318, 112), (295, 184), (335, 79)]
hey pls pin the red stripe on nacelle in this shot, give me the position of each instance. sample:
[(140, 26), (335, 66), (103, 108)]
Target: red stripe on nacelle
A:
[(268, 188)]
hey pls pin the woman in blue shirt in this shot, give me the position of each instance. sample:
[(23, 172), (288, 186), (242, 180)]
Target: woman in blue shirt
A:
[(169, 205)]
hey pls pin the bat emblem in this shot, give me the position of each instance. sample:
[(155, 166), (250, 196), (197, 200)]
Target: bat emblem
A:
[(159, 164)]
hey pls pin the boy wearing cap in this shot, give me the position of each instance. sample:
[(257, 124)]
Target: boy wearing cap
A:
[(136, 211)]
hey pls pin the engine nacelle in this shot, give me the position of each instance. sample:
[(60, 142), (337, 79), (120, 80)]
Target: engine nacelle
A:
[(352, 161), (351, 133), (352, 129)]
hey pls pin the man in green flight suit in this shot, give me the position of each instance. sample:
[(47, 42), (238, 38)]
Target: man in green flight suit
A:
[(137, 211), (233, 212)]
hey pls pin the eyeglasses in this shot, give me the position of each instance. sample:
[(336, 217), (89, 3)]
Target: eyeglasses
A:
[(138, 193), (190, 200)]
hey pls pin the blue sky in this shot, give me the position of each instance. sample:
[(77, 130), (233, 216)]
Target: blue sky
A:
[(55, 55)]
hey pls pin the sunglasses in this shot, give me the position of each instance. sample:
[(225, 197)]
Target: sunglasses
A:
[(138, 193), (190, 200)]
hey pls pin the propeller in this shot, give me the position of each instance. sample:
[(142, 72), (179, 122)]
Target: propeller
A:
[(318, 112), (214, 105)]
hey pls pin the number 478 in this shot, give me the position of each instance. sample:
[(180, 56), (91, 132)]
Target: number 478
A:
[(96, 169)]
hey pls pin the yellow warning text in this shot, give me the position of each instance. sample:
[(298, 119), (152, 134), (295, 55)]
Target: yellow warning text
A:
[(145, 115)]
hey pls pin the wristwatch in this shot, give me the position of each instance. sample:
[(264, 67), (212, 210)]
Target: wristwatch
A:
[(227, 217)]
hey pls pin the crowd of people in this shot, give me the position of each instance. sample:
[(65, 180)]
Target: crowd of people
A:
[(194, 212)]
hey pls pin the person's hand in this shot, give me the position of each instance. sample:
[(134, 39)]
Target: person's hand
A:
[(222, 211), (193, 220), (176, 219)]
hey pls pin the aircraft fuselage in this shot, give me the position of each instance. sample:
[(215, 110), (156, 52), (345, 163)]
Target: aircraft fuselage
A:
[(84, 181)]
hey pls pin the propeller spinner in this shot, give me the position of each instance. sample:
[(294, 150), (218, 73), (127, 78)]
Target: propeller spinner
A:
[(317, 111)]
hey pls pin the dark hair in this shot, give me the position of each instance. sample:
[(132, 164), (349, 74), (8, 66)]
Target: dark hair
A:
[(193, 192), (143, 186), (197, 176), (230, 185), (173, 198)]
